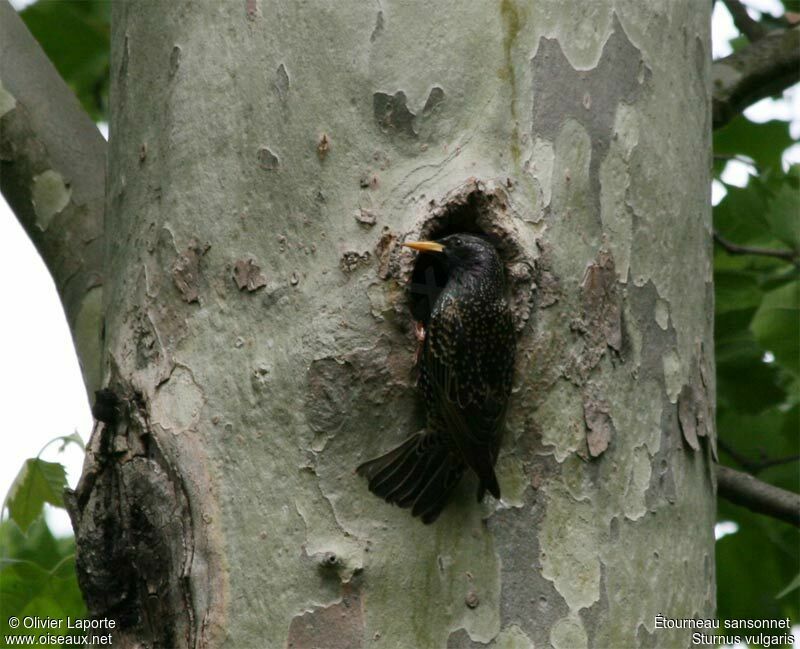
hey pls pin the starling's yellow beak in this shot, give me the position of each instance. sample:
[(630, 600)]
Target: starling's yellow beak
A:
[(425, 246)]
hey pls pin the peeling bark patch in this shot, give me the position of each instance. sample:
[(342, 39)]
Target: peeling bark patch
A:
[(600, 427), (591, 97), (365, 217), (174, 60), (392, 114), (282, 82), (247, 275), (601, 299), (352, 260), (252, 10), (50, 194), (133, 554), (323, 147), (267, 160), (394, 117), (378, 27), (338, 626), (383, 251), (688, 412), (148, 349), (601, 323), (186, 271)]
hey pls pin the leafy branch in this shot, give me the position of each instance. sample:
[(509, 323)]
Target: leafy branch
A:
[(755, 466), (736, 249)]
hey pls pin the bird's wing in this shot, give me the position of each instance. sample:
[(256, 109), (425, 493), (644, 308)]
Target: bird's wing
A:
[(466, 394)]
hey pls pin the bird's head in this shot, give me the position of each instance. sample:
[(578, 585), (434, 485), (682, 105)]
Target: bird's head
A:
[(461, 252)]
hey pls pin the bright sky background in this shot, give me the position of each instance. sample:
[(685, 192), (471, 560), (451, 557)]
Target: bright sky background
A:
[(40, 383)]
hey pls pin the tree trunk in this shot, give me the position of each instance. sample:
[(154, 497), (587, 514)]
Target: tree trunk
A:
[(266, 160)]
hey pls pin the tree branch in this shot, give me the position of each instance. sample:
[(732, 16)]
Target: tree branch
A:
[(735, 249), (746, 491), (750, 27), (52, 173), (764, 68), (755, 466)]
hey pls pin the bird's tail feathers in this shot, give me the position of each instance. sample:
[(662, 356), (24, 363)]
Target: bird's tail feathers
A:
[(420, 473), (487, 478)]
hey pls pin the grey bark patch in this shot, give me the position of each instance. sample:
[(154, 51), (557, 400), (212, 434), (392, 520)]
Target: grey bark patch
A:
[(338, 626), (186, 271), (350, 391), (518, 546), (646, 639), (590, 97), (600, 426), (247, 275), (392, 114), (434, 101), (267, 160)]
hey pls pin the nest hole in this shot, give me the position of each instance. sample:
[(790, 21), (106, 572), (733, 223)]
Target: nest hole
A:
[(480, 212)]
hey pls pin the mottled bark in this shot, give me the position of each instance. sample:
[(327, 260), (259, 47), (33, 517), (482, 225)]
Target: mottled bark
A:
[(266, 161), (52, 173)]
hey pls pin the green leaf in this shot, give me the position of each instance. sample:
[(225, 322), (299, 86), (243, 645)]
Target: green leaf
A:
[(739, 216), (776, 325), (75, 37), (752, 566), (795, 583), (744, 381), (763, 143), (735, 290), (37, 576), (66, 440), (768, 435), (783, 213), (37, 483)]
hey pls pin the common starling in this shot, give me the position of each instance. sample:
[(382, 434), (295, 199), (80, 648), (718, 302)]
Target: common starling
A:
[(466, 371)]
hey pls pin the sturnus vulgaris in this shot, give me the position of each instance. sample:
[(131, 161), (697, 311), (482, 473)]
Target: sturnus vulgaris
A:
[(466, 371)]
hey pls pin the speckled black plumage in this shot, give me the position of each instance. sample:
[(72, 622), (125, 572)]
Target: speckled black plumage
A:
[(466, 372)]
